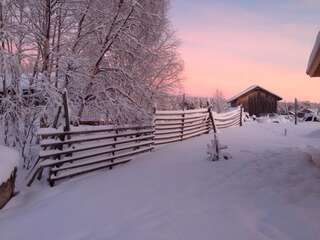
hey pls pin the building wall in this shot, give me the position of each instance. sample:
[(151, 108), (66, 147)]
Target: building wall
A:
[(257, 102)]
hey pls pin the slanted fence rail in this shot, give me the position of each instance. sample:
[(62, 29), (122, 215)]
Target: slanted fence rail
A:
[(172, 126), (229, 119), (65, 154)]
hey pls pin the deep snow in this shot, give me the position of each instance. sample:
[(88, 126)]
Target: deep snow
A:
[(270, 189), (9, 159)]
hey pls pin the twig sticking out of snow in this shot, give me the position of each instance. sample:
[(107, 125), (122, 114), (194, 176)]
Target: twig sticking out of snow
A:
[(214, 150)]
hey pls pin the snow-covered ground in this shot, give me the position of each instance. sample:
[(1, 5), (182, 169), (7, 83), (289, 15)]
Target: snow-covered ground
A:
[(270, 189)]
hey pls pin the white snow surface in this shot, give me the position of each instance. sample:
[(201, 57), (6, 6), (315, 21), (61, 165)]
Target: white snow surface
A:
[(9, 159), (270, 189), (314, 52)]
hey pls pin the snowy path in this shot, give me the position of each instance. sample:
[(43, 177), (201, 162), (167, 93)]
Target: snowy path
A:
[(269, 190)]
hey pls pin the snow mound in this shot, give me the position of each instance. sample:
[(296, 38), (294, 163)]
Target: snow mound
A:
[(314, 154), (8, 161), (314, 134), (273, 119)]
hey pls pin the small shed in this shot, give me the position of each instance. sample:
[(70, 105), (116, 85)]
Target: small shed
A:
[(313, 68), (256, 101)]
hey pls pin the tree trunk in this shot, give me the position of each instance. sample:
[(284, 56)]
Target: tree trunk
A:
[(46, 36)]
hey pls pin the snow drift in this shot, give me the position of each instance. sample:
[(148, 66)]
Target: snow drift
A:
[(8, 161)]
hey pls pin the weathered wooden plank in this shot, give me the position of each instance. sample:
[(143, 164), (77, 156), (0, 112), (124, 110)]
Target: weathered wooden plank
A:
[(197, 123), (89, 131), (166, 124), (160, 118), (179, 112), (165, 137), (95, 154), (178, 130), (237, 123), (99, 160), (237, 115), (167, 141), (77, 172), (194, 134), (228, 123), (48, 154), (168, 136), (88, 139), (206, 129)]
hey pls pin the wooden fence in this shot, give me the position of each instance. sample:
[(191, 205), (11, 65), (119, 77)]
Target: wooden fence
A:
[(69, 153), (172, 126), (228, 119)]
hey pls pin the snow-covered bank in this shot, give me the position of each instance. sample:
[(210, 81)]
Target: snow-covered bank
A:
[(268, 190), (9, 159)]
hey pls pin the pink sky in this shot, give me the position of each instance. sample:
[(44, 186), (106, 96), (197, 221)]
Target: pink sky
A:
[(232, 51)]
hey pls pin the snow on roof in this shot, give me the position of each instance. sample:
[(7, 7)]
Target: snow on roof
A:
[(8, 161), (250, 89), (314, 59)]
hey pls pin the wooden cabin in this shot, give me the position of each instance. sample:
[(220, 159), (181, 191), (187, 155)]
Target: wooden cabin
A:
[(256, 101), (313, 68)]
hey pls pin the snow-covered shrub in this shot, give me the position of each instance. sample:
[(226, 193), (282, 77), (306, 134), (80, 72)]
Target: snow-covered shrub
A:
[(21, 116), (213, 150), (313, 153), (216, 151), (22, 106)]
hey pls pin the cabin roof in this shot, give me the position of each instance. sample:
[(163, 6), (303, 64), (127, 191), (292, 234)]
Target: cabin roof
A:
[(250, 89), (313, 67)]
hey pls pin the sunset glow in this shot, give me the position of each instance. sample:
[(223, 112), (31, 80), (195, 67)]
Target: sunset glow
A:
[(231, 46)]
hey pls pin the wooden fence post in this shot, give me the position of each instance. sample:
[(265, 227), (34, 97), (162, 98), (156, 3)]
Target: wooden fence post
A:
[(66, 111), (67, 127), (183, 115), (154, 114), (183, 101), (295, 111), (241, 109), (212, 119), (56, 119), (154, 124), (217, 149), (182, 126)]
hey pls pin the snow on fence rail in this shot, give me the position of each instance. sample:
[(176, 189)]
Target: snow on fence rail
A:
[(172, 126), (229, 119), (69, 153)]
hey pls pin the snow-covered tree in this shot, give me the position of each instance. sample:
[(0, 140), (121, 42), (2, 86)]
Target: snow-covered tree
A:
[(219, 102), (116, 58)]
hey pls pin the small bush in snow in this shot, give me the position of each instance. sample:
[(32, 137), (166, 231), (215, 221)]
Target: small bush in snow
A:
[(214, 150)]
